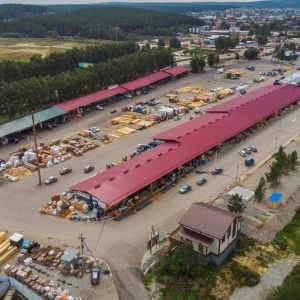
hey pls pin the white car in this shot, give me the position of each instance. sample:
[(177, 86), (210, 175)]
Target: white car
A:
[(242, 153), (98, 107)]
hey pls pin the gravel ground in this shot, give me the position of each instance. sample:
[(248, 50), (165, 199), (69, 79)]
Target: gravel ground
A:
[(264, 228)]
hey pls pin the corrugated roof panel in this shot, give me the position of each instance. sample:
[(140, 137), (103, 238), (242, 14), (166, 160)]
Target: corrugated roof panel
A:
[(89, 99), (26, 122), (144, 81), (177, 70)]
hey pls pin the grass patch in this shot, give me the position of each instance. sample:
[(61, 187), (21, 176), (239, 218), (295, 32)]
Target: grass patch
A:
[(198, 52), (24, 48), (289, 236), (243, 267)]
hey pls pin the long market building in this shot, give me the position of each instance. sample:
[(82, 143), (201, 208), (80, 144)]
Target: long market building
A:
[(185, 147), (61, 110)]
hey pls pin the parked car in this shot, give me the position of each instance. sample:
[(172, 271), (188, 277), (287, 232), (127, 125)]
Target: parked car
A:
[(65, 171), (292, 62), (217, 170), (2, 161), (201, 181), (298, 68), (95, 276), (88, 169), (177, 118), (250, 68), (249, 161), (243, 92), (185, 189), (253, 148), (113, 111), (242, 153), (247, 150), (98, 107), (50, 180)]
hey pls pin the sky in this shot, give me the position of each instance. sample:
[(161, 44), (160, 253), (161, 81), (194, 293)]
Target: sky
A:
[(42, 2)]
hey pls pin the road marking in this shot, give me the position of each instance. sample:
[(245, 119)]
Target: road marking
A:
[(294, 119)]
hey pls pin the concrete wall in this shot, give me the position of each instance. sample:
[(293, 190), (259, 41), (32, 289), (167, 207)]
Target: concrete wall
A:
[(21, 288)]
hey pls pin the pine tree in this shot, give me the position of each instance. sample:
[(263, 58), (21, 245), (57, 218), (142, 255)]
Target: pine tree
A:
[(260, 191), (235, 204), (294, 160), (273, 176)]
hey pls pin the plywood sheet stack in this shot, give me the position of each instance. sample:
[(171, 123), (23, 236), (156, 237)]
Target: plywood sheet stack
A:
[(184, 102), (197, 90), (4, 246), (236, 71), (195, 104), (125, 130), (144, 123)]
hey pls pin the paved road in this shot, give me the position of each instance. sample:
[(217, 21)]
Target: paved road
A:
[(123, 244)]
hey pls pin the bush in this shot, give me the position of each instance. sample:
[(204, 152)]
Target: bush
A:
[(244, 275), (281, 241)]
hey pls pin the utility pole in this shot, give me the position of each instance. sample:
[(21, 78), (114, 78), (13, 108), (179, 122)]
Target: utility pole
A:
[(81, 238), (275, 143), (36, 151), (237, 172)]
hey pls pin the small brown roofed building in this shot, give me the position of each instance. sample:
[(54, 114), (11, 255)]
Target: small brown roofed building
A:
[(216, 229)]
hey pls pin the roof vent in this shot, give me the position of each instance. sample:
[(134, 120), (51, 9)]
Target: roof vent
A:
[(149, 159), (159, 154), (97, 186), (179, 137), (111, 179), (137, 165), (170, 149), (187, 133), (126, 171)]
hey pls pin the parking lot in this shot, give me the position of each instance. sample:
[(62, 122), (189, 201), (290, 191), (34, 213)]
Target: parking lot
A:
[(123, 243)]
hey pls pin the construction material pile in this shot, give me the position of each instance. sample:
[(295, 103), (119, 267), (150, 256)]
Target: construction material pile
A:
[(49, 289), (78, 145), (18, 172), (237, 72), (6, 248), (191, 90)]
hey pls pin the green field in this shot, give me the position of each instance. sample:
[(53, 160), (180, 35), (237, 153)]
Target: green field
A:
[(23, 48)]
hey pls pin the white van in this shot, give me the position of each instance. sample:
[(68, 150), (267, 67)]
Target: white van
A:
[(221, 70)]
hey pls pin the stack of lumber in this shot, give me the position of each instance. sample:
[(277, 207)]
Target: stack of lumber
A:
[(195, 104), (287, 68), (18, 172), (191, 89), (125, 130), (224, 93), (184, 102), (126, 119), (236, 72), (4, 245), (144, 123)]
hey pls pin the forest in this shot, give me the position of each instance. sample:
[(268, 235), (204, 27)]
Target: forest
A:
[(101, 22), (56, 63), (22, 97), (13, 11)]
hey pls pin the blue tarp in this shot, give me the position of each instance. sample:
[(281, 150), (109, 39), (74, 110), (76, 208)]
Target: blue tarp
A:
[(275, 197)]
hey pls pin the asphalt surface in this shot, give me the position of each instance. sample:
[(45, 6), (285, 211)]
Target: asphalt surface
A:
[(123, 244)]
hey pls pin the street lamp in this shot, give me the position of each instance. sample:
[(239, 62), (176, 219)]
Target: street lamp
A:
[(275, 143)]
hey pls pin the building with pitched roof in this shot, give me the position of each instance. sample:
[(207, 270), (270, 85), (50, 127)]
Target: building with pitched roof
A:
[(214, 228)]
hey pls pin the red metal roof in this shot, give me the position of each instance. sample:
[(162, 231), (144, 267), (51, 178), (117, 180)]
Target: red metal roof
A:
[(86, 100), (183, 143), (208, 219), (226, 107), (195, 237), (144, 81), (177, 70)]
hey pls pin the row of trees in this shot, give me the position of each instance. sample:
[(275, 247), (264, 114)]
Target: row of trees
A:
[(57, 63), (22, 97), (223, 43), (102, 22)]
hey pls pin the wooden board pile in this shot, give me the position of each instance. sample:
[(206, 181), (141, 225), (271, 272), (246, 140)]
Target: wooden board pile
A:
[(125, 130), (5, 251), (127, 118), (191, 89), (184, 102), (18, 172), (236, 72), (80, 145)]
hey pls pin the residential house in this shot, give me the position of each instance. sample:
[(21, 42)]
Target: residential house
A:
[(216, 229)]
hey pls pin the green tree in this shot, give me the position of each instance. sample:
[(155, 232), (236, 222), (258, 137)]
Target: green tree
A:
[(237, 56), (175, 43), (217, 59), (186, 262), (235, 203), (262, 39), (294, 160), (260, 191), (161, 43), (197, 64), (281, 54), (211, 57), (251, 53), (282, 160), (224, 25), (273, 176)]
